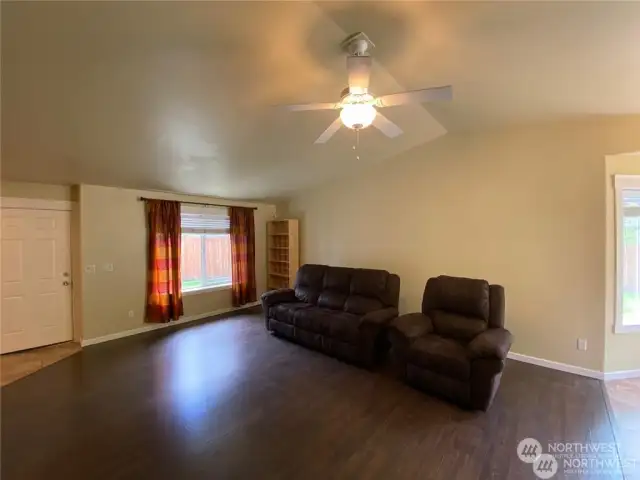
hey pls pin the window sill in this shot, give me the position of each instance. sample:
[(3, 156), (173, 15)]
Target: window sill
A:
[(626, 329), (196, 291)]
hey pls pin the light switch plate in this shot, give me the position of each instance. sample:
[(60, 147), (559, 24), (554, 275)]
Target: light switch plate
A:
[(108, 267), (90, 269)]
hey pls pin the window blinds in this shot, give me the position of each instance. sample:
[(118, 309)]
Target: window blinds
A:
[(204, 220)]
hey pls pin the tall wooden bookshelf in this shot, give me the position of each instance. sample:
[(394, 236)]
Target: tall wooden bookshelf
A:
[(282, 256)]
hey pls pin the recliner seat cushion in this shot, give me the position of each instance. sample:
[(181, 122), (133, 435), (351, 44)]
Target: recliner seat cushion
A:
[(442, 355), (456, 326), (332, 323)]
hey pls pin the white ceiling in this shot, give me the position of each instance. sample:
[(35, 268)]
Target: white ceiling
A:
[(179, 95)]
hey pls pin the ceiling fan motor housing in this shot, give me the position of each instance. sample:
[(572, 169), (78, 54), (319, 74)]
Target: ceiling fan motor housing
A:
[(357, 44)]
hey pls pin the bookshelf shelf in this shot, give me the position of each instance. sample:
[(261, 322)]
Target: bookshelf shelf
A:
[(282, 255)]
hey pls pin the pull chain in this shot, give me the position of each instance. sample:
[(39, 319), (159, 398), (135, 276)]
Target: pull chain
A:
[(355, 147)]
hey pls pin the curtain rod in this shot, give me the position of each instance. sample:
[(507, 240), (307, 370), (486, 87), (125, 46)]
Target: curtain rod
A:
[(198, 203)]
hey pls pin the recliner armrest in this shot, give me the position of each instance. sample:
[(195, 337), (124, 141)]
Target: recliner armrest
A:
[(379, 317), (405, 329), (492, 343), (273, 297)]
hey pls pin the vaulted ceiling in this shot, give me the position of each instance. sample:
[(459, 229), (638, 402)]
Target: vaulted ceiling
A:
[(179, 95)]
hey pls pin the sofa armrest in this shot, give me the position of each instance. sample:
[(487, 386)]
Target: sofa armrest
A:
[(492, 343), (406, 329), (379, 317), (273, 297)]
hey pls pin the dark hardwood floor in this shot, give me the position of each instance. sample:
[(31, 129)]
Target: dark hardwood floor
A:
[(225, 400)]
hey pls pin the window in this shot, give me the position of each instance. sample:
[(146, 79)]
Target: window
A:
[(628, 253), (206, 249)]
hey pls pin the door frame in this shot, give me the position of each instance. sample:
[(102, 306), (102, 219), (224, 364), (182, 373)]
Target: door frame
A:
[(66, 206), (35, 204)]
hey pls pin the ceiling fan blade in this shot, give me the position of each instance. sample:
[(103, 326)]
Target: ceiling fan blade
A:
[(309, 106), (330, 131), (359, 70), (386, 126), (436, 94)]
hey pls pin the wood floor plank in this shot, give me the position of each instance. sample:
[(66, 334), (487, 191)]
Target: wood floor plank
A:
[(224, 399)]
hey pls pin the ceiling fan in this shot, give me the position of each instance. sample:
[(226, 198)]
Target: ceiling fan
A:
[(357, 106)]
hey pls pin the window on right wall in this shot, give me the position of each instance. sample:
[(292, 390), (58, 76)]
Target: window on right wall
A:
[(627, 188)]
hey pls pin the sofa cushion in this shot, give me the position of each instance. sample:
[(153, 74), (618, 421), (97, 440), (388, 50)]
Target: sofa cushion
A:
[(311, 276), (360, 305), (313, 319), (464, 296), (441, 355), (344, 326), (332, 300), (309, 281), (283, 312), (332, 323), (337, 279), (369, 283), (457, 326)]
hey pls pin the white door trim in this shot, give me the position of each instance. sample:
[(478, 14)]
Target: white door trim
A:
[(36, 203)]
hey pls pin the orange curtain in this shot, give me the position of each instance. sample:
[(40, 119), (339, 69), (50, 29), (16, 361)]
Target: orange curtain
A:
[(164, 296), (243, 258)]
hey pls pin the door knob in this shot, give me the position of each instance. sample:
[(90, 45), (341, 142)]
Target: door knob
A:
[(66, 284)]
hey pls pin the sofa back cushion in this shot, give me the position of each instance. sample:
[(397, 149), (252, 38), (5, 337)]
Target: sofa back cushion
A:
[(354, 290), (464, 296), (459, 307), (309, 283)]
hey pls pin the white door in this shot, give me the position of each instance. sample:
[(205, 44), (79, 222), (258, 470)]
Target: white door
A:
[(35, 278)]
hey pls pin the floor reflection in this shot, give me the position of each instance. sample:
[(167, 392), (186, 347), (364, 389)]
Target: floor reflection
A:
[(624, 397)]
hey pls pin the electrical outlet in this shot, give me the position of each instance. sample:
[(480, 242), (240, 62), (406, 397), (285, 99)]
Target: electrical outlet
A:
[(90, 269), (130, 313), (582, 344)]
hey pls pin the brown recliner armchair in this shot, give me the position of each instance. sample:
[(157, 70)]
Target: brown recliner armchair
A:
[(457, 346)]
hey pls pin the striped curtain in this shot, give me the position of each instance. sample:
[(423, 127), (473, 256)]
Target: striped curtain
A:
[(164, 296), (243, 258)]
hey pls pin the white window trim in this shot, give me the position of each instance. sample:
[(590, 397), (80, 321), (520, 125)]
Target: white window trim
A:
[(195, 291), (621, 182)]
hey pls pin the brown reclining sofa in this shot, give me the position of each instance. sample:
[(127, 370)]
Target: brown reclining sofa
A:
[(341, 311)]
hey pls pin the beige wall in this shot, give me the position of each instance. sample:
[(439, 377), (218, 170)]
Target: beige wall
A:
[(113, 230), (35, 190), (622, 350), (523, 208)]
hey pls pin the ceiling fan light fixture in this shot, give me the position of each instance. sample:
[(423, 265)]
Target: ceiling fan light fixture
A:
[(357, 115)]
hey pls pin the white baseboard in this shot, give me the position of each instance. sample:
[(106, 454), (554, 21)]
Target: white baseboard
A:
[(563, 367), (621, 375), (156, 326)]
